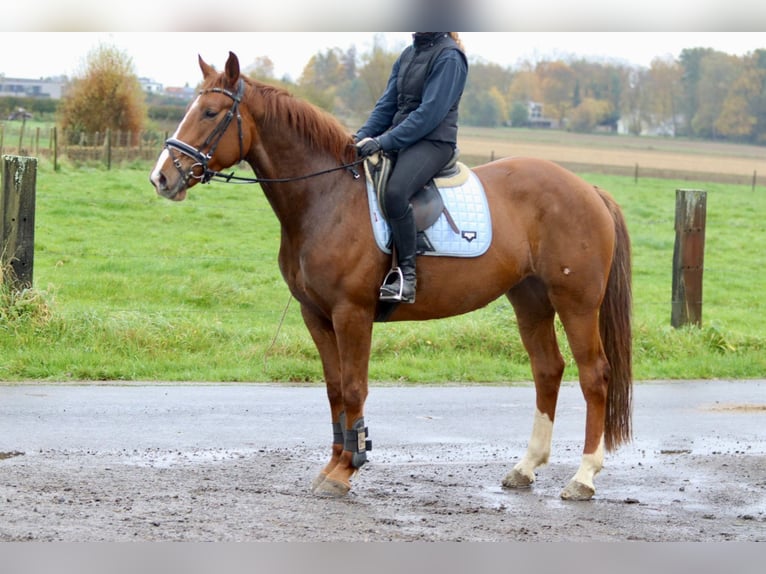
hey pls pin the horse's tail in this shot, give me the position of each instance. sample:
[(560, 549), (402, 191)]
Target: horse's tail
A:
[(616, 334)]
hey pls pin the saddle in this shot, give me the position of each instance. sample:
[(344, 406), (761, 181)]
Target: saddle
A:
[(427, 203)]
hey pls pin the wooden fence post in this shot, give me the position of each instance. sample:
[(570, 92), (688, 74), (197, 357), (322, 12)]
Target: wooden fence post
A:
[(688, 257), (21, 133), (108, 144), (55, 144), (17, 224)]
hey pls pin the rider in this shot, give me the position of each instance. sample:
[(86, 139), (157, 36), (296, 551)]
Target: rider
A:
[(416, 120)]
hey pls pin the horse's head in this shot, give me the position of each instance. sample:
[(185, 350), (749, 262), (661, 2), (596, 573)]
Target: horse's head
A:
[(209, 138)]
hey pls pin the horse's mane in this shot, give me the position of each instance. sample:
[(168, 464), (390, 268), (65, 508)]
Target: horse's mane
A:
[(322, 131)]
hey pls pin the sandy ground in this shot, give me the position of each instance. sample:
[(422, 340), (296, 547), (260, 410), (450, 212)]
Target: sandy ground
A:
[(175, 463), (663, 159)]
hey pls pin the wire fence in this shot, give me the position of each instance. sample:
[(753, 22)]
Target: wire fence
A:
[(115, 148), (52, 144)]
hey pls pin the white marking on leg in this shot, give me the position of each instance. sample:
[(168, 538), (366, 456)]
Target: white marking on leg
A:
[(590, 466), (539, 448)]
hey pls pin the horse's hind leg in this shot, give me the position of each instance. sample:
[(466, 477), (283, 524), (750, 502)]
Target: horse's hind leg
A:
[(535, 316), (585, 341)]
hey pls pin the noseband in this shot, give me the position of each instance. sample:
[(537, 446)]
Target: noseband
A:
[(200, 156)]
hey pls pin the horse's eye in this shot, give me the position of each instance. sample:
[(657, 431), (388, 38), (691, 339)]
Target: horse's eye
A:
[(209, 114)]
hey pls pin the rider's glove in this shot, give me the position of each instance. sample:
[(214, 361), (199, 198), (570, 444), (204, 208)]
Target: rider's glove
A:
[(368, 147)]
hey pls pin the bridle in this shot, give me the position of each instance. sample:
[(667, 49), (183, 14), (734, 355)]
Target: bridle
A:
[(202, 158), (199, 155)]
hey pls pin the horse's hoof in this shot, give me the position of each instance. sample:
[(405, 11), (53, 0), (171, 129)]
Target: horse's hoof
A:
[(317, 481), (332, 488), (517, 479), (576, 490)]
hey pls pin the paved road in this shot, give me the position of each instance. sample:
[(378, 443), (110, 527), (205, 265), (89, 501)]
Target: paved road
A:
[(699, 416), (695, 470)]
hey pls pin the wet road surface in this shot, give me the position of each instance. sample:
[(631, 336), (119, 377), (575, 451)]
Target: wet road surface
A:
[(235, 461)]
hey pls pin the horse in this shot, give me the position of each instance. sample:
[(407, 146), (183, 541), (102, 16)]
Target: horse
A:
[(560, 247)]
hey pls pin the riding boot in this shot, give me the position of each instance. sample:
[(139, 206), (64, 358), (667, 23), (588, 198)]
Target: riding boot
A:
[(402, 288)]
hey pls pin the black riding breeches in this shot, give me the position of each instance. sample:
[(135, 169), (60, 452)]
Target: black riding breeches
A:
[(414, 167)]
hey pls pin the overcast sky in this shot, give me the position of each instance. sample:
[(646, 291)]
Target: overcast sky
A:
[(171, 57), (41, 38)]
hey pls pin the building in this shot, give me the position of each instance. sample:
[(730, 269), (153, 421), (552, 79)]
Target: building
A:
[(185, 93), (537, 119), (150, 86), (52, 88)]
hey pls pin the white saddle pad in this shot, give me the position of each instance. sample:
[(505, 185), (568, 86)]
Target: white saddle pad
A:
[(466, 203)]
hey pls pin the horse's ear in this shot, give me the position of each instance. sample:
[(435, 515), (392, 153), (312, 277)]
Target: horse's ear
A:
[(206, 68), (232, 69)]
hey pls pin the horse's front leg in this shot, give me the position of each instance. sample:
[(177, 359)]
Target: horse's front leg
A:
[(353, 332), (323, 334), (344, 346)]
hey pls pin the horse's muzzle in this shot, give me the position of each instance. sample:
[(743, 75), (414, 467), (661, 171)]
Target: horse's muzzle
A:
[(169, 188)]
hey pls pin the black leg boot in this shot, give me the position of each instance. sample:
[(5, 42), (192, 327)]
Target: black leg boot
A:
[(402, 289)]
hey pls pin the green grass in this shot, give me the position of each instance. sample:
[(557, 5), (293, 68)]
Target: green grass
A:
[(128, 286)]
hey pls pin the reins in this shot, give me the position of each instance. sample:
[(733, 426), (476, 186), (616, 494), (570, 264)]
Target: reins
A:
[(231, 178)]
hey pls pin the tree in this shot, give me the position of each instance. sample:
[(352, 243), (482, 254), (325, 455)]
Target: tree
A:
[(106, 95), (758, 61), (262, 68), (603, 82), (634, 103), (718, 72), (483, 102), (558, 87), (589, 114), (484, 108), (325, 71), (738, 115), (525, 87), (664, 94), (375, 72), (691, 64), (348, 61), (486, 81), (520, 114)]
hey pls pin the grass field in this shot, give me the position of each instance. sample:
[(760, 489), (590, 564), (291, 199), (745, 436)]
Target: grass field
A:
[(132, 287)]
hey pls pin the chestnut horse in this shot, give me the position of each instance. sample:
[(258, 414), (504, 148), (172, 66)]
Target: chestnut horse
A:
[(559, 247)]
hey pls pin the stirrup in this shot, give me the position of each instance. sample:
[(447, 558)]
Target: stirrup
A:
[(386, 294)]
